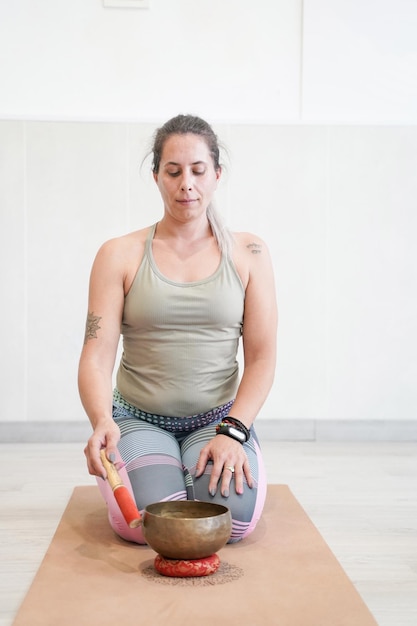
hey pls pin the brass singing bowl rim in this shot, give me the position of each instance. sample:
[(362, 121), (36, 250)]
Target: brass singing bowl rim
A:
[(172, 508)]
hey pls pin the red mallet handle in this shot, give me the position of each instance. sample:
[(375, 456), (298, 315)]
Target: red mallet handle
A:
[(121, 493)]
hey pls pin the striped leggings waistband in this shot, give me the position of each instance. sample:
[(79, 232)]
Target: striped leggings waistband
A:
[(124, 410)]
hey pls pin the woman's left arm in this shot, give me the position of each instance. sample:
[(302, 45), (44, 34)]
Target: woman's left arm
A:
[(259, 328)]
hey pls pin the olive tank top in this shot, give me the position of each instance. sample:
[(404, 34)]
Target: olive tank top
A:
[(180, 340)]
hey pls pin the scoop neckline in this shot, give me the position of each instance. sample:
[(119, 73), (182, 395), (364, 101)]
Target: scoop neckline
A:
[(192, 283)]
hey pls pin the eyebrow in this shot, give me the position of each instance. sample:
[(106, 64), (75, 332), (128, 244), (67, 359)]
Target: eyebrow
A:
[(179, 164)]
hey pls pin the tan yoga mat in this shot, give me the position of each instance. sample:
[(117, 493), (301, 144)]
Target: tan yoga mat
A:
[(283, 574)]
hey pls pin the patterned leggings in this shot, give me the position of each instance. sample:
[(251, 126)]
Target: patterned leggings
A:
[(160, 466)]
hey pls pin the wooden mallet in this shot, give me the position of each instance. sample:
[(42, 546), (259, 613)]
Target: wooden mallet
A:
[(121, 493)]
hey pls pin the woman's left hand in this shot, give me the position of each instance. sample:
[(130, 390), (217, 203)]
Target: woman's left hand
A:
[(230, 462)]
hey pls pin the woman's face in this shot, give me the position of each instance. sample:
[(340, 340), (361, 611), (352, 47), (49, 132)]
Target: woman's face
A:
[(186, 178)]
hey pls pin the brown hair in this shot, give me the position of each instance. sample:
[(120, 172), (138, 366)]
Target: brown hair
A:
[(182, 125)]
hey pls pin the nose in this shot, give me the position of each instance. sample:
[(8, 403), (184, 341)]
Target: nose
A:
[(186, 183)]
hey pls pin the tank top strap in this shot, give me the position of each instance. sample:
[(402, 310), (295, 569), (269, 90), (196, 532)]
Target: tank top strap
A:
[(149, 239)]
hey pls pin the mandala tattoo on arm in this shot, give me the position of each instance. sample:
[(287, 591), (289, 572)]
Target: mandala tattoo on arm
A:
[(255, 248), (91, 326)]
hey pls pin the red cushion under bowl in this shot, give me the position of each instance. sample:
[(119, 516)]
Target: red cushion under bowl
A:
[(180, 568)]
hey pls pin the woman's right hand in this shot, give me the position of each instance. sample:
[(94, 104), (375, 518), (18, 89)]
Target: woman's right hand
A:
[(105, 436)]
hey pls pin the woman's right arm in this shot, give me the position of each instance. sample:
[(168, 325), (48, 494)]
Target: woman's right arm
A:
[(102, 334)]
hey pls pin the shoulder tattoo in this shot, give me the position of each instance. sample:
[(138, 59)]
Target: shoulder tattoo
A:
[(255, 248), (91, 326)]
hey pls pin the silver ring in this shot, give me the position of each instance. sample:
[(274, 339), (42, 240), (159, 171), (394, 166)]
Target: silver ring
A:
[(231, 468)]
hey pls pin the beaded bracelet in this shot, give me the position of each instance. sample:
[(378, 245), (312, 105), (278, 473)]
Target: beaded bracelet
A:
[(232, 427), (230, 431), (239, 425)]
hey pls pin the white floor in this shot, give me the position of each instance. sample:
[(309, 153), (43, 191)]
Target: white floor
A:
[(362, 498)]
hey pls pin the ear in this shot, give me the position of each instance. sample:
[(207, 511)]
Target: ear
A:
[(155, 177), (218, 174)]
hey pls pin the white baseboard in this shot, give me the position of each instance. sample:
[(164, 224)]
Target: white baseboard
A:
[(268, 430), (45, 432), (337, 430)]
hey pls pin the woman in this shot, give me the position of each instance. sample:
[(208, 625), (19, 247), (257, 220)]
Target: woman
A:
[(182, 292)]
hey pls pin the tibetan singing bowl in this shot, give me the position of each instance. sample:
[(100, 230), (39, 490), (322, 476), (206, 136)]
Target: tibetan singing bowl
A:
[(186, 529)]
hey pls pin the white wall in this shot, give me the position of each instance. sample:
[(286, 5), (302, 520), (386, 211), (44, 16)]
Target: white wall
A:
[(234, 60), (264, 61), (317, 103), (360, 61)]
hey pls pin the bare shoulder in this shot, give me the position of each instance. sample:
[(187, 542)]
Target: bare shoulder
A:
[(251, 256), (121, 256), (124, 244), (251, 250), (250, 244), (122, 251)]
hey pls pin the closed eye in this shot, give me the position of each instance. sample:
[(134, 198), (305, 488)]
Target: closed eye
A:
[(196, 173)]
